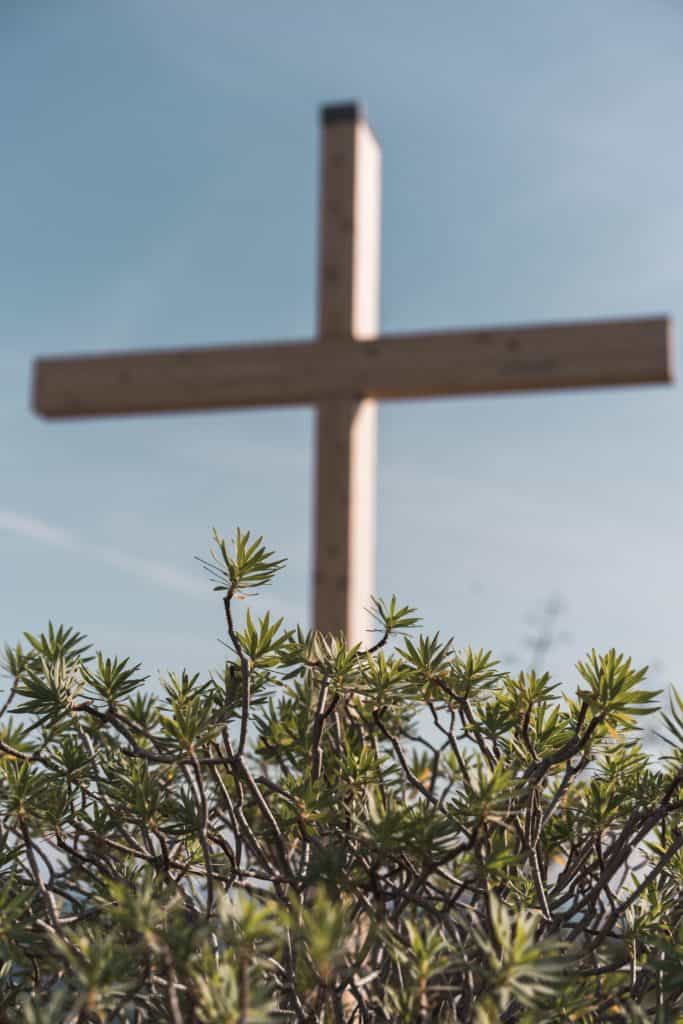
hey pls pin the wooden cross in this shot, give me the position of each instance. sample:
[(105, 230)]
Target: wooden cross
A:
[(348, 368)]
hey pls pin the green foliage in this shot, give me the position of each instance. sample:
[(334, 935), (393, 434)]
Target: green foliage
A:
[(246, 568), (399, 834)]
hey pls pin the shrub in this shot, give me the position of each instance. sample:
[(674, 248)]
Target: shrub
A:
[(314, 833)]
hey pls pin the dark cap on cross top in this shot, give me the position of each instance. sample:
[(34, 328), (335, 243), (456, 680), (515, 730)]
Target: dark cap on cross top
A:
[(350, 111)]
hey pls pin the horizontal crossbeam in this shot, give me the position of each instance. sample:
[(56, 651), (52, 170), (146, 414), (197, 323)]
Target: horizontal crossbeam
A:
[(573, 355)]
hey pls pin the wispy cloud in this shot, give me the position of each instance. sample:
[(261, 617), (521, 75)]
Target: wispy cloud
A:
[(55, 536)]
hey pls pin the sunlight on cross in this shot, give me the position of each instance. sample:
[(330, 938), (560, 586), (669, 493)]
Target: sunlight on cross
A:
[(349, 367)]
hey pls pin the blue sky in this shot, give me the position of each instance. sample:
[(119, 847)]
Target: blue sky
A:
[(159, 188)]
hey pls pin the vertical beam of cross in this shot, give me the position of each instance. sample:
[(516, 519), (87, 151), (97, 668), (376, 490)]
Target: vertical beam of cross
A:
[(348, 314)]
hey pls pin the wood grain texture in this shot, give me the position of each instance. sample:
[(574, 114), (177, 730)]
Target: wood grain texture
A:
[(416, 365)]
